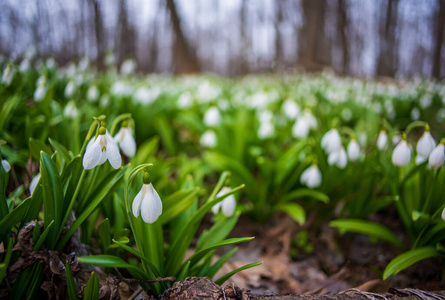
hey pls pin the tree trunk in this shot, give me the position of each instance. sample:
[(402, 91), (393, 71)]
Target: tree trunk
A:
[(388, 55), (184, 58), (98, 31), (127, 35), (278, 59), (342, 29), (439, 31)]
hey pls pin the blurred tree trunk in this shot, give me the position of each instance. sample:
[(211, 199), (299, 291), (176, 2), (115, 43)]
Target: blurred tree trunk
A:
[(312, 43), (439, 31), (278, 59), (99, 32), (342, 24), (388, 55), (184, 58), (127, 35), (244, 65)]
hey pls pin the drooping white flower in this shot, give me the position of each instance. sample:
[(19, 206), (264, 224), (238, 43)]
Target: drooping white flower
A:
[(291, 109), (209, 139), (443, 214), (426, 143), (420, 159), (227, 205), (6, 166), (93, 93), (353, 150), (382, 139), (266, 130), (25, 65), (70, 89), (8, 75), (101, 149), (185, 100), (311, 177), (39, 93), (212, 117), (33, 184), (331, 141), (415, 113), (70, 110), (304, 124), (338, 158), (124, 138), (128, 67), (148, 204), (401, 154), (437, 156)]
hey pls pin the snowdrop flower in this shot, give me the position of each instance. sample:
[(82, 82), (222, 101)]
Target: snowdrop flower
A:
[(290, 109), (437, 156), (8, 75), (39, 93), (425, 101), (338, 158), (124, 138), (346, 114), (70, 89), (382, 139), (100, 149), (185, 100), (6, 166), (147, 202), (209, 139), (420, 159), (426, 143), (93, 93), (443, 214), (415, 113), (353, 150), (33, 184), (227, 205), (145, 95), (311, 177), (212, 117), (304, 124), (396, 139), (402, 153), (128, 67), (70, 110), (266, 130), (25, 65), (331, 141)]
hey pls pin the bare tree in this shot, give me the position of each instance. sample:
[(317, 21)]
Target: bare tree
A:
[(99, 33), (387, 63), (278, 59), (127, 35), (185, 60), (342, 24), (439, 31)]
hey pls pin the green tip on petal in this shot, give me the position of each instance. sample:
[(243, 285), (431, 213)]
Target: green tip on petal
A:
[(146, 179), (427, 128), (403, 136), (442, 141), (125, 123)]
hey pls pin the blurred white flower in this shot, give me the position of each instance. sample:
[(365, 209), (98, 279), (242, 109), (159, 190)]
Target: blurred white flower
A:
[(415, 113), (396, 139), (8, 75), (185, 100), (33, 184), (346, 114), (304, 124), (338, 158), (443, 214), (401, 154), (290, 109), (353, 150), (437, 156), (420, 159), (124, 138), (209, 139), (146, 95), (227, 205), (331, 141), (147, 203), (70, 89), (382, 139), (25, 65), (266, 130), (311, 177), (425, 101), (101, 149), (121, 88), (426, 143), (51, 63), (93, 93), (84, 63), (6, 166), (212, 117), (70, 110), (128, 67), (104, 100), (39, 93)]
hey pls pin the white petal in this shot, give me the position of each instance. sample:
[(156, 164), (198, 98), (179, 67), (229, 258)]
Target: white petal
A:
[(420, 159), (136, 206), (314, 178), (119, 136), (92, 155), (342, 158), (228, 206), (426, 144), (382, 139), (113, 154), (301, 128), (437, 157), (6, 165), (128, 144), (216, 207), (151, 207), (33, 184), (443, 214), (401, 154)]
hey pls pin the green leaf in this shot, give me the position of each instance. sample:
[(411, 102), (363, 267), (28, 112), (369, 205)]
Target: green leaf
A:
[(224, 278), (42, 238), (366, 227), (19, 214), (295, 211), (166, 132), (111, 262), (222, 162), (6, 111), (36, 146), (407, 259), (70, 283), (4, 266), (219, 263), (91, 291), (219, 231), (104, 191), (184, 271), (67, 156), (179, 206), (301, 193), (104, 232), (52, 196)]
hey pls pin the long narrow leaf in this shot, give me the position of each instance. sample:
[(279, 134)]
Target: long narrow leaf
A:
[(91, 291), (224, 278), (70, 283)]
